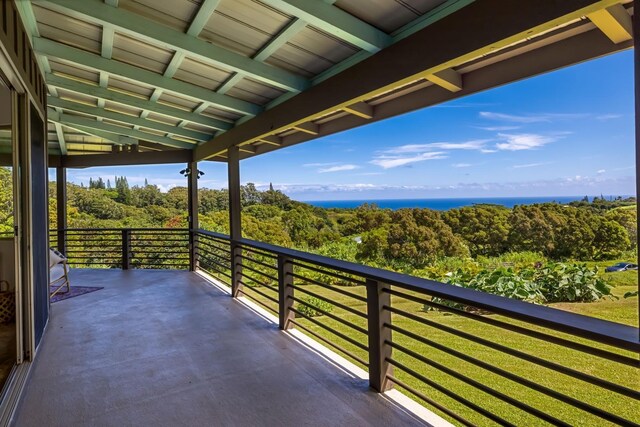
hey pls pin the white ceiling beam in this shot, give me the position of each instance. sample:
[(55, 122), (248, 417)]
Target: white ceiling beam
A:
[(81, 57), (125, 118), (75, 86), (61, 141), (71, 121), (149, 31), (336, 22)]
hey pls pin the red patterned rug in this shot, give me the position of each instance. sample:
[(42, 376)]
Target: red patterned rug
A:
[(74, 292)]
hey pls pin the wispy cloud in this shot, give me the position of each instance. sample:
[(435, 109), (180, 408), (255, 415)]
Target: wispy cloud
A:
[(497, 128), (319, 165), (339, 168), (604, 117), (530, 165), (523, 141), (601, 171), (530, 118), (476, 144), (388, 162), (461, 165)]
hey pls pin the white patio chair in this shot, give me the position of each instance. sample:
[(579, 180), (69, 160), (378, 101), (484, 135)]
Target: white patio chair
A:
[(58, 273)]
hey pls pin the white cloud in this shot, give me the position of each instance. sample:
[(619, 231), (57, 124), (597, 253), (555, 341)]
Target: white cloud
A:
[(530, 165), (523, 141), (529, 118), (476, 144), (388, 162), (338, 168), (461, 165), (601, 171), (498, 128), (608, 116), (319, 165), (565, 185)]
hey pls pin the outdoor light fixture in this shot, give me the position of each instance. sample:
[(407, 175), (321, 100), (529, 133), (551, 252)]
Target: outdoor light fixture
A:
[(187, 172)]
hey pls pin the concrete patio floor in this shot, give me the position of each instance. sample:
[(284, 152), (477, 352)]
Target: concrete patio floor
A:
[(165, 348)]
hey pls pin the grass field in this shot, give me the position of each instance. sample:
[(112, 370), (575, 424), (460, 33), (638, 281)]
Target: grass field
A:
[(444, 331)]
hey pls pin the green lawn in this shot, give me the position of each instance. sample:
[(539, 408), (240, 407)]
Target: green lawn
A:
[(618, 310)]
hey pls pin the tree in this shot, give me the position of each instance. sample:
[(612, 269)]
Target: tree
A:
[(123, 190), (485, 228)]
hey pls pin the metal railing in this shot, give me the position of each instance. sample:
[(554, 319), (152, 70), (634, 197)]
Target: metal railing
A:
[(124, 248), (472, 357)]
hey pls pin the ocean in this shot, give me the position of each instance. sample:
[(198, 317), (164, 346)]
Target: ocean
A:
[(442, 204)]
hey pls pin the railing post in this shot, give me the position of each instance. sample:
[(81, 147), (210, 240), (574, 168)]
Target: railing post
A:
[(285, 292), (61, 210), (126, 248), (379, 335), (236, 269), (193, 250)]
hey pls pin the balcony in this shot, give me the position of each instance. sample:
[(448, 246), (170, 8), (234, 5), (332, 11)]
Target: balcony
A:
[(169, 346)]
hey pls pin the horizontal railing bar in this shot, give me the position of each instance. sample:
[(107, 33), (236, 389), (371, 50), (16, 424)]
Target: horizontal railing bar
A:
[(218, 264), (449, 393), (329, 273), (213, 254), (506, 374), (519, 329), (332, 288), (430, 401), (216, 271), (521, 355), (478, 385), (272, 267), (332, 344), (337, 304), (137, 252), (275, 279), (213, 235), (252, 250), (168, 230), (616, 334), (273, 288), (332, 316), (211, 246), (270, 298), (333, 331), (262, 303)]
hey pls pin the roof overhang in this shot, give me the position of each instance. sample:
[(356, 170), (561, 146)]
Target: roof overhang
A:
[(128, 80)]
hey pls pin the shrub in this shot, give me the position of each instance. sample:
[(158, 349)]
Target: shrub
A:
[(571, 283), (310, 306), (553, 282)]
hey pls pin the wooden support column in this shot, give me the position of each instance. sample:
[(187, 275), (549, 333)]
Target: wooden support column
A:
[(192, 189), (235, 224), (636, 70), (285, 292), (61, 211), (379, 335)]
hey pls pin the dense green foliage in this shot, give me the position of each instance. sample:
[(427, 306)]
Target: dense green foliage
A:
[(404, 240), (512, 252), (553, 282), (6, 201)]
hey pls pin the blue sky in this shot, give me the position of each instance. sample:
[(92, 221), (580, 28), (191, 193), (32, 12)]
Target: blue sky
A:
[(569, 132)]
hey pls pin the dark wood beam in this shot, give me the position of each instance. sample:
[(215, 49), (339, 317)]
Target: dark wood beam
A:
[(123, 158), (455, 38), (61, 208), (636, 71), (576, 49), (235, 220), (192, 190)]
